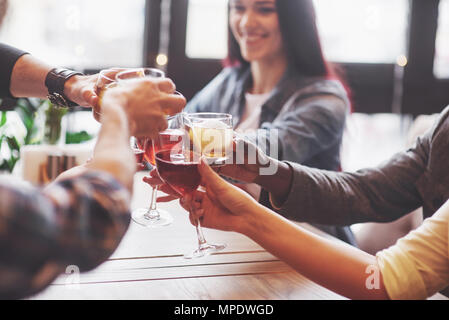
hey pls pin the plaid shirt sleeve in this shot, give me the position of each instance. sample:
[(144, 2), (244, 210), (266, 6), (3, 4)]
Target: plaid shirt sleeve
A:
[(78, 221)]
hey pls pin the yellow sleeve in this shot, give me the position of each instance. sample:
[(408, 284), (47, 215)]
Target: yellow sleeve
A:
[(417, 266)]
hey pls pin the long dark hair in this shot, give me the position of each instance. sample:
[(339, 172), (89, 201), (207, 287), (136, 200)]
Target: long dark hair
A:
[(297, 22)]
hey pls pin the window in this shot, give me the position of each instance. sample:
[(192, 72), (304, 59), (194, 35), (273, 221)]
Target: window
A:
[(368, 31), (78, 33), (441, 62), (207, 29)]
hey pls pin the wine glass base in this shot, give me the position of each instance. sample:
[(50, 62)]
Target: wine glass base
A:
[(204, 250), (151, 219)]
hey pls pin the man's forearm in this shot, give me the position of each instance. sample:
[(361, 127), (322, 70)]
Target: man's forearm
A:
[(28, 77), (279, 183), (112, 152)]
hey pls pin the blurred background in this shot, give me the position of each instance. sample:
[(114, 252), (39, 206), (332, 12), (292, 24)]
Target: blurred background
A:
[(393, 53)]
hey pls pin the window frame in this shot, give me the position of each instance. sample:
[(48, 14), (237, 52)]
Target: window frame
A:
[(423, 92), (375, 87)]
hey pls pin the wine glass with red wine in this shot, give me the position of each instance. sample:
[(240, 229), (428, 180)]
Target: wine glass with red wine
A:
[(150, 216), (178, 167), (138, 152), (169, 139), (105, 80)]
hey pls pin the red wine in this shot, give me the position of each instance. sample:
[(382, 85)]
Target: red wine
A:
[(169, 139), (149, 152), (181, 174), (139, 155)]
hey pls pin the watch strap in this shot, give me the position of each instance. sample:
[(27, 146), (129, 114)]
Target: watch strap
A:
[(55, 82)]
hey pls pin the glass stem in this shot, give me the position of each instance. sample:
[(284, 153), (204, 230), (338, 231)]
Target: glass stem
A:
[(199, 230), (152, 210)]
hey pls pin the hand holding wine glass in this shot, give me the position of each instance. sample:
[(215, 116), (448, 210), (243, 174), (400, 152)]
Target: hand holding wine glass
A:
[(210, 135), (222, 205), (146, 104), (247, 162), (105, 80), (179, 169)]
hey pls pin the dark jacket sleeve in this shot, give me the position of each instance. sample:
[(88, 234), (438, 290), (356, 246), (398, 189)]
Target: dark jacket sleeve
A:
[(8, 58), (380, 194)]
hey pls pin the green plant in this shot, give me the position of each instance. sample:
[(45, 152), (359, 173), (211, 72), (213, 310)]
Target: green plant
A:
[(9, 143), (28, 111), (77, 137), (8, 163), (52, 126)]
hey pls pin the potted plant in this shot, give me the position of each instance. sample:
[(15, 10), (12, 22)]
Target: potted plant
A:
[(33, 121)]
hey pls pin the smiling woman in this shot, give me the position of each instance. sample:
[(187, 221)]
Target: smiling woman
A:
[(255, 26), (278, 87)]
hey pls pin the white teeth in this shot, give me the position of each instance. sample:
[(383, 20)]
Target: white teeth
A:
[(252, 38)]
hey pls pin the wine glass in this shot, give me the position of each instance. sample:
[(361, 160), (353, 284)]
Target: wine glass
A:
[(151, 216), (210, 135), (178, 167), (138, 152), (105, 80)]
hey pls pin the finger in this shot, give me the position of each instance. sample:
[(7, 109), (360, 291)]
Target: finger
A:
[(166, 85), (96, 115), (153, 181), (141, 129), (155, 174), (166, 198), (192, 219), (89, 96), (93, 100), (198, 196), (185, 202), (199, 215), (211, 178), (168, 190), (172, 104)]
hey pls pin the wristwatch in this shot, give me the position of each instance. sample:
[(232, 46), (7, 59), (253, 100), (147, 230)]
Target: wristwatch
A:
[(54, 82)]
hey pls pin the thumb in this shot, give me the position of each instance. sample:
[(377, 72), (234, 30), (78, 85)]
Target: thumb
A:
[(90, 97), (210, 178)]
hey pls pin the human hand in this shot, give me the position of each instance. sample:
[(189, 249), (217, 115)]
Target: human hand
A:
[(247, 163), (222, 206), (81, 90), (146, 102), (105, 79)]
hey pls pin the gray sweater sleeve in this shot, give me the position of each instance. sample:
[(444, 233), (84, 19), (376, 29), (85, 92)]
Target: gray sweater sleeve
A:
[(380, 194), (8, 57), (304, 128)]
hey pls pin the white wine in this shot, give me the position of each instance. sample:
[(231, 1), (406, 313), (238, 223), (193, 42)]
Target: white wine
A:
[(211, 138)]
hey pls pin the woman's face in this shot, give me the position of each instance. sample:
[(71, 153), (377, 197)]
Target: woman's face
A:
[(255, 26)]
